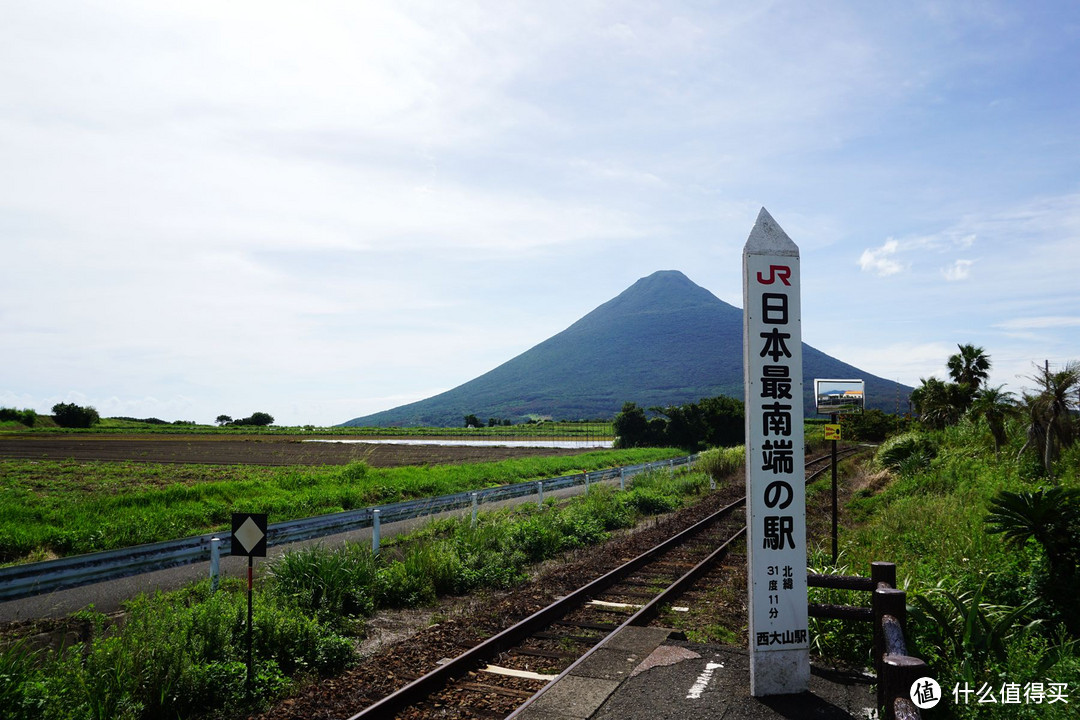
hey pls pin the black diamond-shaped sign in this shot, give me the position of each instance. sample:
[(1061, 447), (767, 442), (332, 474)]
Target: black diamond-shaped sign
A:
[(249, 534)]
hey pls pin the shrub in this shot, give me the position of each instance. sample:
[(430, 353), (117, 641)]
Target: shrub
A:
[(397, 587), (872, 425), (17, 678), (651, 502), (721, 462), (907, 453), (182, 654), (24, 417), (326, 583), (70, 415)]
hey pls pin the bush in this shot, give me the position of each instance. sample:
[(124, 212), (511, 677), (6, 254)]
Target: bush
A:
[(182, 654), (17, 679), (716, 421), (721, 462), (651, 502), (872, 425), (329, 584), (258, 419), (907, 453), (24, 417), (69, 415)]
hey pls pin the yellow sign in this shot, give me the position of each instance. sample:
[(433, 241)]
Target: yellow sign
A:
[(832, 432)]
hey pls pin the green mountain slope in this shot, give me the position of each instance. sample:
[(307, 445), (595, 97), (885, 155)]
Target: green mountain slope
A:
[(663, 341)]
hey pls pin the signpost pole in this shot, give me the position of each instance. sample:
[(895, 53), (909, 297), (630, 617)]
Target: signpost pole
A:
[(250, 656), (835, 553), (775, 463), (249, 538)]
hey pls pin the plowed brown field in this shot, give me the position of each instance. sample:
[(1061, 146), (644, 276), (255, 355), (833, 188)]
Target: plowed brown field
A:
[(249, 450)]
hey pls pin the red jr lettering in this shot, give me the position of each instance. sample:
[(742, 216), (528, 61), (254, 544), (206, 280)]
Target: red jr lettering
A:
[(776, 272)]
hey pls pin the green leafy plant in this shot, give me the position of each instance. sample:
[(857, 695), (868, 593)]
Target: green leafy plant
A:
[(907, 453), (968, 631), (327, 583), (719, 463), (17, 677), (1051, 518)]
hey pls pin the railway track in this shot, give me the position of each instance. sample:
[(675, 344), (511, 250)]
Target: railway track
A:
[(495, 677)]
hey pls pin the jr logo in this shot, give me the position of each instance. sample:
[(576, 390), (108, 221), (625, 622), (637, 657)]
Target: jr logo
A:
[(776, 272)]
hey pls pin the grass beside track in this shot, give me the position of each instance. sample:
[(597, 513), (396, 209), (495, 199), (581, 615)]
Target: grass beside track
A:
[(181, 654), (57, 508)]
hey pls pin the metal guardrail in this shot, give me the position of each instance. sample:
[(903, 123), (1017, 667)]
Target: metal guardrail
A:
[(22, 581)]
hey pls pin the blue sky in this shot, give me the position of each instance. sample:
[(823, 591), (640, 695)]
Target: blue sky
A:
[(322, 210)]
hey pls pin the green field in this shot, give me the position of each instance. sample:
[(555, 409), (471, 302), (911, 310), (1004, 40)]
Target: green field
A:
[(541, 430), (181, 654), (56, 508)]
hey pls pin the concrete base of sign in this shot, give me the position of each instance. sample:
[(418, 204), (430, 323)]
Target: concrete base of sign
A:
[(780, 672)]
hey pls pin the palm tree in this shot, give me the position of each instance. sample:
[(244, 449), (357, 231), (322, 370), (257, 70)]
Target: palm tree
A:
[(1050, 516), (939, 403), (1051, 427), (970, 366), (1045, 515), (995, 405)]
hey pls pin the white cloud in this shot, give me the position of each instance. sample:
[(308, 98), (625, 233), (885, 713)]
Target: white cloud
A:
[(959, 270), (349, 201), (881, 261), (904, 361), (1040, 323)]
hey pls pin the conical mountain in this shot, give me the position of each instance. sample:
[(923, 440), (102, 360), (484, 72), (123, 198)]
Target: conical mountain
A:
[(662, 341)]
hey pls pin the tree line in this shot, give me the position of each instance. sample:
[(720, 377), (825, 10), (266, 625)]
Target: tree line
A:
[(71, 415), (1048, 411), (710, 422), (258, 419)]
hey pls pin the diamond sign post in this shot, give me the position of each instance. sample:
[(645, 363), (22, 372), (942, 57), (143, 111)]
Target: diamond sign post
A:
[(775, 463), (249, 538)]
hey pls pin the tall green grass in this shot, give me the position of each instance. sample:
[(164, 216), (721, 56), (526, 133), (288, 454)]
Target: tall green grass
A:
[(456, 556), (54, 508), (720, 462), (175, 655), (181, 654), (963, 581)]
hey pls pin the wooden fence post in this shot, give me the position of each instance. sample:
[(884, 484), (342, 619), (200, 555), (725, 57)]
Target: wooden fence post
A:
[(883, 572), (885, 601), (899, 673)]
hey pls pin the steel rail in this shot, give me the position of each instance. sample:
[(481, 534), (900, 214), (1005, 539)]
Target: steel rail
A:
[(438, 678), (645, 615)]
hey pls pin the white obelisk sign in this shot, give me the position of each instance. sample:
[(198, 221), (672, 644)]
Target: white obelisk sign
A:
[(775, 484)]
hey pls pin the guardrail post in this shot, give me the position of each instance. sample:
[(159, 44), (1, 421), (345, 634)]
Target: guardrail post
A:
[(375, 531), (215, 564), (585, 475), (540, 493), (622, 478), (475, 502)]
